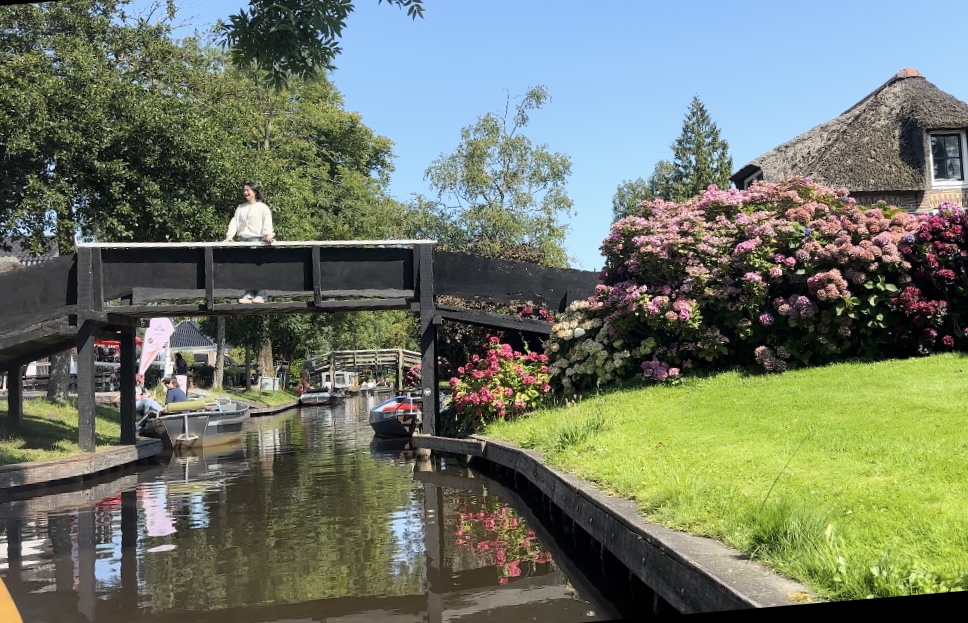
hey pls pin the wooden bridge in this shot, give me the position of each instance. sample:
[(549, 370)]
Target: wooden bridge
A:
[(377, 360), (106, 289)]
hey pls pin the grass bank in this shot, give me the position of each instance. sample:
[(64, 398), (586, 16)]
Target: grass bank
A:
[(49, 430), (256, 397), (851, 478)]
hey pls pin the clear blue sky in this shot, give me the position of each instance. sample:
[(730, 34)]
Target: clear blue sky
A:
[(621, 75)]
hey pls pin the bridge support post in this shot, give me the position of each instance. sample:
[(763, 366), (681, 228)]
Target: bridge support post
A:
[(88, 280), (424, 262), (15, 395), (85, 387), (128, 357)]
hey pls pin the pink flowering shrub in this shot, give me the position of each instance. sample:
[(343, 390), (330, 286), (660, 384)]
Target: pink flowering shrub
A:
[(413, 378), (931, 306), (501, 383), (778, 275)]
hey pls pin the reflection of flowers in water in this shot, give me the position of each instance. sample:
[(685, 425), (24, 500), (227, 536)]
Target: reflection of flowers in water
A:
[(500, 538)]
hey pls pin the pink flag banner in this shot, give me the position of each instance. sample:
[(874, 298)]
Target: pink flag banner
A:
[(159, 330)]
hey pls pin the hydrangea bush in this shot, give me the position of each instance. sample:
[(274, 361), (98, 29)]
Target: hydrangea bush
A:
[(776, 276), (501, 383)]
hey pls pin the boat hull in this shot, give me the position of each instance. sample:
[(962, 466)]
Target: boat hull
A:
[(321, 398), (195, 429), (396, 417)]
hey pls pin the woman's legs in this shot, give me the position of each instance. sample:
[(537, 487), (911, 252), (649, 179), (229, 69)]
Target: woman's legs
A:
[(254, 296)]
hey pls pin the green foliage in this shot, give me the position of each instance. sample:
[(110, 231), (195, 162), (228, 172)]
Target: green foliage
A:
[(103, 133), (629, 197), (700, 158), (497, 190), (293, 38)]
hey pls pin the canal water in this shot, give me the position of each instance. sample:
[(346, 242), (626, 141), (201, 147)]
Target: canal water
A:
[(308, 519)]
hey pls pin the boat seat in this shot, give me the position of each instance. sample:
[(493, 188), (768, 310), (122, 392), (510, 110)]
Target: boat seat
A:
[(186, 405)]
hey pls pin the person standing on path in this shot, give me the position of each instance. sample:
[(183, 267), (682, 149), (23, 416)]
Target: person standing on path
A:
[(252, 222)]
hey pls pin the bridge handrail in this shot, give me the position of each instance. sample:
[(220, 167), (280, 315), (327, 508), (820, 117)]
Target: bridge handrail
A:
[(277, 243)]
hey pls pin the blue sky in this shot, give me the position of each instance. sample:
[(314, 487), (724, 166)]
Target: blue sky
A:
[(621, 75)]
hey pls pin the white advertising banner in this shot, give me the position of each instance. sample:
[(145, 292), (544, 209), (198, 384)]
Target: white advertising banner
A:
[(159, 330)]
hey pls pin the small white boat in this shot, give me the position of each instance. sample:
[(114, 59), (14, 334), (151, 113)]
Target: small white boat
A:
[(320, 397), (196, 423)]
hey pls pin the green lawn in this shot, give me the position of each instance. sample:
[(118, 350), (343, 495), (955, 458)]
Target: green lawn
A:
[(49, 431), (851, 478), (255, 397)]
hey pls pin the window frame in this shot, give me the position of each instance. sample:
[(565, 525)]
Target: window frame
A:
[(962, 144), (755, 178)]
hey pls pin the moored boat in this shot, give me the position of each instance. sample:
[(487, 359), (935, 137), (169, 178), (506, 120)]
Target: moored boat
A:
[(397, 417), (319, 397), (196, 423)]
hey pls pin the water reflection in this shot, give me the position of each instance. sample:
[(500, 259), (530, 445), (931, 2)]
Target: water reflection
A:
[(309, 518)]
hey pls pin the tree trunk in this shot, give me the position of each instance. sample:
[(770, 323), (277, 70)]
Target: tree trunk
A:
[(58, 384), (267, 366), (248, 368), (219, 353), (60, 376)]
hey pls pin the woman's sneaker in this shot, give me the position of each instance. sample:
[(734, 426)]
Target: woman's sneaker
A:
[(246, 299), (258, 299)]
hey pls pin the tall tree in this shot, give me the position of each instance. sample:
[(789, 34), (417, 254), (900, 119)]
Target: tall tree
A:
[(99, 135), (628, 198), (498, 190), (700, 158), (293, 38), (113, 130)]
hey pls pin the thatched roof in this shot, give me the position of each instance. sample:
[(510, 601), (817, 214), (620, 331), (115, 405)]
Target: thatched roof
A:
[(8, 263), (878, 144), (14, 249)]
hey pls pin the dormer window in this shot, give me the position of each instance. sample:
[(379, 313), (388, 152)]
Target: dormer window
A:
[(947, 158), (752, 178)]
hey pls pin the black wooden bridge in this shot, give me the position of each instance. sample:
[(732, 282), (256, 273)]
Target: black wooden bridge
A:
[(105, 289)]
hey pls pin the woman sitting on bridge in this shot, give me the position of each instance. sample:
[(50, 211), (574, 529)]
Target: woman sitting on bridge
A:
[(252, 223)]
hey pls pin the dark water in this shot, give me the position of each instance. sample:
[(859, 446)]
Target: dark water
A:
[(308, 519)]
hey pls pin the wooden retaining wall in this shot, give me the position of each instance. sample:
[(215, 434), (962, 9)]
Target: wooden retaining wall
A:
[(692, 574), (75, 468)]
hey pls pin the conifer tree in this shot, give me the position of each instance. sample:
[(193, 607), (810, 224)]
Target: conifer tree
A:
[(700, 158)]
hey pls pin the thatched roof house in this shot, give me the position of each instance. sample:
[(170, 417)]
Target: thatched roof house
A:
[(904, 144)]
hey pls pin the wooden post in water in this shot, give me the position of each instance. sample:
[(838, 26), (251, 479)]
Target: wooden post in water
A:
[(129, 552), (86, 557), (424, 267), (435, 545)]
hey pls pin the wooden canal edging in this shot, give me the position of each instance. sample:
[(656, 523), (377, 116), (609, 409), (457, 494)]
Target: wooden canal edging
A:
[(74, 468), (272, 409), (691, 573)]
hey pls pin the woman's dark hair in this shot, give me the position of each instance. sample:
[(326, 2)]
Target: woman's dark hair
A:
[(178, 355), (255, 188)]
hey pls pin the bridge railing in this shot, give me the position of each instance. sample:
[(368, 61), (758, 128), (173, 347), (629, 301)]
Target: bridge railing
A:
[(131, 278)]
